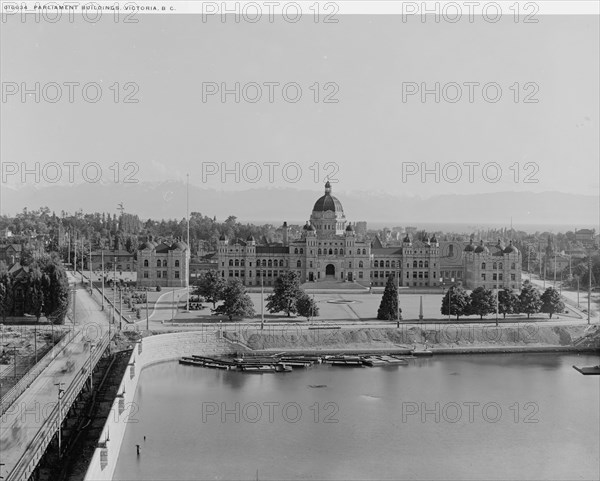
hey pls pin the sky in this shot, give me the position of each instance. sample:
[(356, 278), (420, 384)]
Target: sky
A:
[(372, 139)]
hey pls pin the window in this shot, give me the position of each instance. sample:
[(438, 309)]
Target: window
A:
[(426, 264), (330, 252), (426, 274), (494, 276), (296, 250), (408, 265), (264, 263), (176, 274), (146, 274), (420, 275), (414, 264), (387, 263), (414, 274), (165, 274), (376, 274), (270, 263), (376, 264), (360, 264), (407, 275), (512, 266), (311, 264), (350, 252), (420, 264), (177, 263), (360, 275), (483, 277), (512, 277), (483, 265), (298, 264), (230, 262), (165, 263), (500, 276), (301, 250), (237, 263), (335, 251), (243, 263), (393, 264), (319, 251), (494, 266), (158, 263), (365, 252), (500, 265), (158, 274), (349, 265), (146, 263), (451, 250), (230, 273), (341, 251)]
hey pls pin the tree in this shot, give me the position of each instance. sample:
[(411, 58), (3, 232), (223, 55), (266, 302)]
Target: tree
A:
[(6, 299), (236, 302), (306, 306), (459, 302), (55, 286), (35, 293), (388, 308), (529, 299), (508, 302), (210, 285), (482, 302), (551, 302), (285, 294)]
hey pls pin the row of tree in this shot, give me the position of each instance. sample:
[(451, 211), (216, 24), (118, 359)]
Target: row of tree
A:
[(41, 289), (480, 302), (287, 296)]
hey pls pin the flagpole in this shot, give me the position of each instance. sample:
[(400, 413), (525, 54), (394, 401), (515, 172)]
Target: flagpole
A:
[(187, 215)]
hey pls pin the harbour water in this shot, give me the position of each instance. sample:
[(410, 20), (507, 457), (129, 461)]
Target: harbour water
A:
[(500, 417)]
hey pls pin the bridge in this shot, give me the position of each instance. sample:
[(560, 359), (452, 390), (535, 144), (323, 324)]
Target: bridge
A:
[(34, 411)]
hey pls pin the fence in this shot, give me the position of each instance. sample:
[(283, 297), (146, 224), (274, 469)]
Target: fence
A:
[(12, 395)]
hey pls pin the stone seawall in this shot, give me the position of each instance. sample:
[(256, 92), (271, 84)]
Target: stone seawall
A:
[(441, 338), (150, 350)]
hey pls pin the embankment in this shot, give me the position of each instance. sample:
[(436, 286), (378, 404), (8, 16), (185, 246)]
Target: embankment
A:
[(440, 338)]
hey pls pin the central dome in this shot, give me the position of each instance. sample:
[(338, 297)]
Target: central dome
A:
[(328, 202)]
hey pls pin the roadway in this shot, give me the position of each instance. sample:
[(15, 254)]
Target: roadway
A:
[(27, 416)]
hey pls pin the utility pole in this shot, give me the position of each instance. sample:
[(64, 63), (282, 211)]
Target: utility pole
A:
[(555, 269), (262, 301), (91, 281), (398, 294), (61, 392), (115, 290), (147, 318), (102, 275), (589, 284), (75, 254), (120, 307), (173, 307)]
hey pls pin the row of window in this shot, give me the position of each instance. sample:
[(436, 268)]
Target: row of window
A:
[(498, 265), (159, 263), (161, 275), (499, 277)]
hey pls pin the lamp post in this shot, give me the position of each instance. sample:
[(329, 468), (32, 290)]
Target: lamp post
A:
[(102, 275), (147, 317), (497, 302), (262, 300), (61, 392), (92, 346)]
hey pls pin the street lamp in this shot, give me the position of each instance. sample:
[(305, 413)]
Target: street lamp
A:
[(449, 292), (61, 392), (92, 346)]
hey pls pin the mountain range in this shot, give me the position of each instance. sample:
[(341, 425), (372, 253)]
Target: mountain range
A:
[(168, 200)]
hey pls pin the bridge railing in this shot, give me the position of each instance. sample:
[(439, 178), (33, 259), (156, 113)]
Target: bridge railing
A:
[(38, 445), (19, 388)]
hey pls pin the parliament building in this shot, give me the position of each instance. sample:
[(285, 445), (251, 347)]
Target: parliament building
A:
[(329, 249)]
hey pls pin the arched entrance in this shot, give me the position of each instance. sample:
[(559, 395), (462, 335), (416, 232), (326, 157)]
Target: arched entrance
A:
[(330, 270)]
